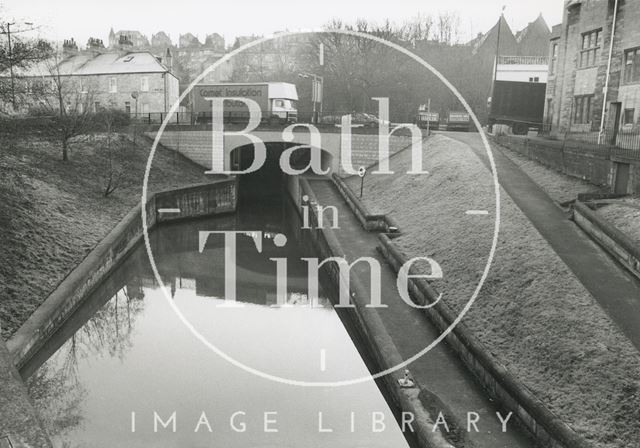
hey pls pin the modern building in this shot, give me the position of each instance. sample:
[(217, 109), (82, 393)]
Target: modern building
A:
[(594, 70), (130, 81)]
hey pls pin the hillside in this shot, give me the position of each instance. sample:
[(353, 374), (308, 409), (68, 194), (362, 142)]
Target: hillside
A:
[(52, 213)]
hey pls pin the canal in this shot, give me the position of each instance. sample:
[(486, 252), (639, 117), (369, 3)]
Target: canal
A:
[(124, 371)]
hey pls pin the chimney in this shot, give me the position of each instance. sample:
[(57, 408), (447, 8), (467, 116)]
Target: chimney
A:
[(69, 47), (169, 59)]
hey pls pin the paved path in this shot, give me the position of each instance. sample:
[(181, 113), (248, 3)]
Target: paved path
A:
[(18, 419), (440, 371), (616, 290)]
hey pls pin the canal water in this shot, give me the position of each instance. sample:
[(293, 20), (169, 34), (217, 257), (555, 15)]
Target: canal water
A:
[(125, 366)]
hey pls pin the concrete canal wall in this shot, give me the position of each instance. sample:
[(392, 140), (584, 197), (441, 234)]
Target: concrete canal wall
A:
[(370, 328), (184, 203), (616, 243)]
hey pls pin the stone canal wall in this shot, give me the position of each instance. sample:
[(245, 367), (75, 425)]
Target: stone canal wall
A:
[(619, 245), (190, 202)]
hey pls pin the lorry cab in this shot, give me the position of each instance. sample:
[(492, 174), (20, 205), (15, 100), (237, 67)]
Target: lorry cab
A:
[(283, 99)]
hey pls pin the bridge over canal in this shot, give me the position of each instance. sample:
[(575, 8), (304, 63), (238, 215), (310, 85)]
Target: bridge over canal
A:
[(195, 143)]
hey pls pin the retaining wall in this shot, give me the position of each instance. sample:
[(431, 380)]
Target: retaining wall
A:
[(369, 221), (619, 245), (589, 163), (193, 201)]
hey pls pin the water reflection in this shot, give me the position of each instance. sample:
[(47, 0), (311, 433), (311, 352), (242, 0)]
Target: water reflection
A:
[(125, 367)]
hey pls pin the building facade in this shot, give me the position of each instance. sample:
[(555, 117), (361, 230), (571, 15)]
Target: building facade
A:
[(594, 70), (134, 82)]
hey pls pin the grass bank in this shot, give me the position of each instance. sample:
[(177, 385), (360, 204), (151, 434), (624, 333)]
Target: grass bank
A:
[(532, 313), (52, 213), (625, 215)]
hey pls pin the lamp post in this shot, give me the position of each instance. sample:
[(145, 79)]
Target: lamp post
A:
[(317, 92), (10, 55), (495, 67)]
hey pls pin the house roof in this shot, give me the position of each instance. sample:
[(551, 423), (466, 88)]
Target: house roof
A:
[(537, 26), (88, 63), (505, 30)]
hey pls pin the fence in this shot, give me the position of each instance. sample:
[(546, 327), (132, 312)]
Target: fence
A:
[(624, 138)]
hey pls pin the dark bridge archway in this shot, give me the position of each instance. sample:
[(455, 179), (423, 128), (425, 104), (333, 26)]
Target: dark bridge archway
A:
[(267, 182)]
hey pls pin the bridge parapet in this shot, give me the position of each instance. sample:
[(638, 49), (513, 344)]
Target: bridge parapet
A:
[(196, 145)]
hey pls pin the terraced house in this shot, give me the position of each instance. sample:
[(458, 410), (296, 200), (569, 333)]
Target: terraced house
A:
[(136, 82), (594, 72)]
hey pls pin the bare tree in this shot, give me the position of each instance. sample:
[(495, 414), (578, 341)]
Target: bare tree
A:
[(66, 102), (114, 145), (448, 27), (22, 54)]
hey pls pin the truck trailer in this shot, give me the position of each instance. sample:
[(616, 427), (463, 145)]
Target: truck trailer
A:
[(459, 121), (518, 93), (277, 101), (427, 119)]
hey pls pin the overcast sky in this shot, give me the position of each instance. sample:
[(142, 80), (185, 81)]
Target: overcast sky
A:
[(81, 19)]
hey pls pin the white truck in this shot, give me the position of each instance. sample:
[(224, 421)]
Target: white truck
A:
[(277, 101)]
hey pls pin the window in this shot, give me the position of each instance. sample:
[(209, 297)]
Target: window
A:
[(127, 107), (279, 103), (582, 109), (590, 48), (96, 106), (83, 86), (632, 65), (554, 58), (145, 108), (627, 118), (113, 85), (144, 83), (534, 79)]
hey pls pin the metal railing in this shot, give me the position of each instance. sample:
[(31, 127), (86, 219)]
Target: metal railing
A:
[(523, 60), (627, 138)]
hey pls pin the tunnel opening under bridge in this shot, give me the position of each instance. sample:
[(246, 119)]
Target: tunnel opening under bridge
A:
[(267, 184)]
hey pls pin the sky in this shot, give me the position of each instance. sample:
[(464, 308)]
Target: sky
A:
[(81, 19)]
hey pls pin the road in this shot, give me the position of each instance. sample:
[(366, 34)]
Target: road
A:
[(616, 290)]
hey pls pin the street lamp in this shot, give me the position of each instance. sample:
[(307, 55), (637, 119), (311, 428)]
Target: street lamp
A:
[(10, 55), (317, 92)]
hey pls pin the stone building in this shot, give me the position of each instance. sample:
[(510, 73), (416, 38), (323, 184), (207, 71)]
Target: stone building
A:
[(134, 81), (581, 66)]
